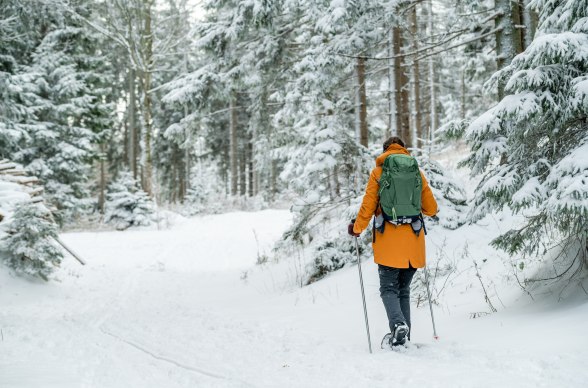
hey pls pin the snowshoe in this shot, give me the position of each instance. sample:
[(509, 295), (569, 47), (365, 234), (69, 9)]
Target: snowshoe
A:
[(399, 337), (400, 334), (386, 342)]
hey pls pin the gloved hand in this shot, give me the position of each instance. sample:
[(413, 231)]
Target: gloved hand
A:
[(350, 229)]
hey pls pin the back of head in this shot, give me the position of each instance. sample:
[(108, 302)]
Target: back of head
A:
[(393, 140)]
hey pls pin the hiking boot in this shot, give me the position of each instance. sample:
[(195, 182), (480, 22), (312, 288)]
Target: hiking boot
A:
[(400, 334)]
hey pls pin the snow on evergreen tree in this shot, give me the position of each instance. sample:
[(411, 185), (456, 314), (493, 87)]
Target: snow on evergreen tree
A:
[(448, 190), (28, 244), (127, 204), (65, 83), (15, 88), (204, 191), (532, 147)]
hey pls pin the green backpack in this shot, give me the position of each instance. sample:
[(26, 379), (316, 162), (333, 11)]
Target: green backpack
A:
[(400, 187)]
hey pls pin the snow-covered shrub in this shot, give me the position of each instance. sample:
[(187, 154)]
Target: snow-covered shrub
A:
[(331, 254), (196, 199), (27, 227), (319, 231), (451, 197), (126, 204), (28, 245), (204, 191), (532, 147)]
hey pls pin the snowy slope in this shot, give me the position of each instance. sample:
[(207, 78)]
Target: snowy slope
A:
[(187, 307)]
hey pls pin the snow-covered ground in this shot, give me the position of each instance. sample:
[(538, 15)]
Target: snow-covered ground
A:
[(188, 307)]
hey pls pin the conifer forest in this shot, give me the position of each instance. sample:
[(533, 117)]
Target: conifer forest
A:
[(195, 119)]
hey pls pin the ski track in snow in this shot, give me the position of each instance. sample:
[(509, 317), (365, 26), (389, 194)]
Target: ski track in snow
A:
[(186, 307), (168, 360)]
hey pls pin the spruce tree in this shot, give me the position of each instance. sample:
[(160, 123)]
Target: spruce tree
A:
[(531, 147), (29, 246), (127, 204)]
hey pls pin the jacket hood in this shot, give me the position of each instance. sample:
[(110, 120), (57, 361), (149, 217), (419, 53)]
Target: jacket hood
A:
[(393, 149)]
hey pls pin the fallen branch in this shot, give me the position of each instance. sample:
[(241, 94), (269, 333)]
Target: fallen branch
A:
[(78, 258)]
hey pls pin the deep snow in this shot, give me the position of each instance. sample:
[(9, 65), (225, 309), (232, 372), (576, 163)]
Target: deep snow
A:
[(188, 307)]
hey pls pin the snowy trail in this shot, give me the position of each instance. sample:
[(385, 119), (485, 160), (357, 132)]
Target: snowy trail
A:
[(183, 308)]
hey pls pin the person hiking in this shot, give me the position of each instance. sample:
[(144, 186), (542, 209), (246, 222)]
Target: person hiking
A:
[(397, 195)]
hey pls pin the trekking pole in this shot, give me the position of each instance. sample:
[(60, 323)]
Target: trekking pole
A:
[(435, 336), (367, 325)]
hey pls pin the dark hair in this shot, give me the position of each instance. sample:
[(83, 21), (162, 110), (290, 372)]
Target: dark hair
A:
[(393, 140)]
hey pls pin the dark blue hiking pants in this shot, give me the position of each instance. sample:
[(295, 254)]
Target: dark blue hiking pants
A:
[(395, 293)]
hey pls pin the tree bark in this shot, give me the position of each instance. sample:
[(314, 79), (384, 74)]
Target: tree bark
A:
[(233, 145), (362, 127), (402, 90), (392, 129), (187, 166), (432, 88), (530, 20), (250, 166), (133, 132), (462, 105), (505, 38), (147, 103), (336, 183), (243, 168), (518, 26), (416, 83), (180, 160), (273, 179), (102, 195)]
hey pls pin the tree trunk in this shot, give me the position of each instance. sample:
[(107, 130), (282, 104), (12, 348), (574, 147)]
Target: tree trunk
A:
[(187, 166), (416, 83), (147, 75), (402, 90), (433, 92), (233, 145), (361, 100), (242, 169), (187, 144), (126, 141), (336, 184), (101, 196), (250, 166), (530, 20), (518, 26), (392, 129), (505, 38), (274, 180), (173, 182), (133, 132), (180, 160), (462, 105)]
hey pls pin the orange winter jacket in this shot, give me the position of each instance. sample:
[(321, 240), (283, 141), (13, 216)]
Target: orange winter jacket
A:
[(398, 246)]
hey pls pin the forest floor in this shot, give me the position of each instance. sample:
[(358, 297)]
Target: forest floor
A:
[(188, 307)]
